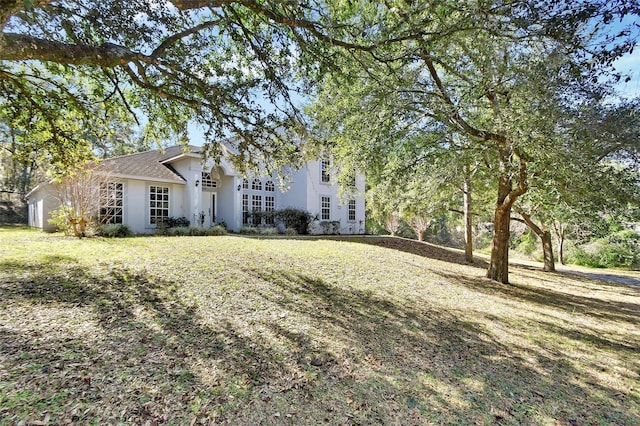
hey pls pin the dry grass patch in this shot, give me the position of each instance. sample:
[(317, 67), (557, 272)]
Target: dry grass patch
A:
[(231, 330)]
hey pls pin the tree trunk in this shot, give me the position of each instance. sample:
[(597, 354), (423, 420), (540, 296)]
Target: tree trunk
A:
[(547, 250), (421, 235), (499, 264), (545, 236), (468, 223), (561, 250)]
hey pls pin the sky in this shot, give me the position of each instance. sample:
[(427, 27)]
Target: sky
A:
[(629, 64)]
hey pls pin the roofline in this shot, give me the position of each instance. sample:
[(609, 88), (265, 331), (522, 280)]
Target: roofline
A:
[(188, 154), (38, 187), (146, 178)]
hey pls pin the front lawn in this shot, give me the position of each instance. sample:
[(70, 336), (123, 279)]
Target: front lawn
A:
[(233, 330)]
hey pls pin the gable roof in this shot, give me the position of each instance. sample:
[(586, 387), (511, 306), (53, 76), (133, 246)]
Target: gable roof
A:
[(149, 165)]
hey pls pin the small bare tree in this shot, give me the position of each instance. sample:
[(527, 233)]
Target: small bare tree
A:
[(79, 195), (419, 224), (392, 223)]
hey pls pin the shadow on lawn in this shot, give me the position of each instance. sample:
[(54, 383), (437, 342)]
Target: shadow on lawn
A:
[(381, 359), (140, 368), (440, 362), (420, 249), (545, 297)]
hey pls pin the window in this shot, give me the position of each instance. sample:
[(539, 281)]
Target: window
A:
[(158, 204), (207, 181), (256, 203), (256, 206), (325, 208), (324, 171), (245, 209), (269, 186), (256, 185), (111, 201), (269, 206), (351, 211), (245, 184)]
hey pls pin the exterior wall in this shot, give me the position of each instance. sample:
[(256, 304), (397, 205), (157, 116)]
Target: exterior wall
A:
[(339, 202), (295, 194), (136, 204), (41, 203)]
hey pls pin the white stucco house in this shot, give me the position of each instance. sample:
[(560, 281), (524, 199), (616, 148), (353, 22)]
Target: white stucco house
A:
[(147, 187)]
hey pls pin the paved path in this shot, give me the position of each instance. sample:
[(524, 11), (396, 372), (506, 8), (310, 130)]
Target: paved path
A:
[(607, 277), (570, 269)]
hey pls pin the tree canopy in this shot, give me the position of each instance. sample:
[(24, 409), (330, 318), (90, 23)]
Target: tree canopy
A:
[(390, 75)]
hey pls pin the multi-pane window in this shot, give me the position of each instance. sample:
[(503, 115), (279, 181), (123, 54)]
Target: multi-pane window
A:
[(208, 181), (158, 204), (245, 209), (256, 203), (111, 201), (324, 171), (269, 186), (351, 211), (269, 207), (325, 208), (256, 185), (245, 184)]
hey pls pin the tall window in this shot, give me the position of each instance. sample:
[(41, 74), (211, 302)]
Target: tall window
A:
[(269, 207), (245, 184), (208, 181), (269, 186), (325, 208), (111, 201), (245, 209), (325, 176), (256, 185), (256, 203), (351, 211), (158, 204)]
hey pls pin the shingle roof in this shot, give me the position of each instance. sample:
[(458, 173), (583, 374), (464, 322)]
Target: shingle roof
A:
[(148, 164)]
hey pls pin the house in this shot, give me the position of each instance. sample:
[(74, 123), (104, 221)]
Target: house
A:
[(145, 188)]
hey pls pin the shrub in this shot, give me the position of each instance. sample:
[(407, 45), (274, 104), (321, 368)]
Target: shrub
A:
[(115, 230), (217, 230), (330, 227), (249, 230), (174, 222), (290, 231), (294, 218), (269, 231), (64, 218), (60, 219), (621, 249)]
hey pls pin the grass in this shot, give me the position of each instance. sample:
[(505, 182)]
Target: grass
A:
[(234, 330)]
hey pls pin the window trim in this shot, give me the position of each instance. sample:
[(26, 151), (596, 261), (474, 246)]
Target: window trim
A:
[(324, 208), (149, 208), (106, 189), (325, 171), (208, 182), (351, 210), (269, 206)]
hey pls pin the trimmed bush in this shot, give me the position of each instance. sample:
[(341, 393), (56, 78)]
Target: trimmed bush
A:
[(217, 230), (294, 218), (175, 222), (115, 230), (194, 231), (249, 230), (330, 227)]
